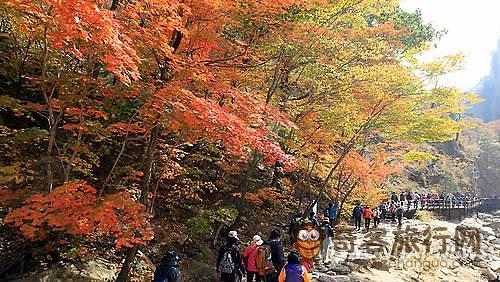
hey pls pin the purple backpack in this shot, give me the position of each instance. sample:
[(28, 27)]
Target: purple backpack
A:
[(293, 273)]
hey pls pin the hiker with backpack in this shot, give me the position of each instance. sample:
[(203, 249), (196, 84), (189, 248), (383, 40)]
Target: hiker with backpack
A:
[(394, 198), (229, 261), (168, 270), (399, 214), (293, 271), (367, 215), (377, 214), (357, 212), (250, 258), (276, 256), (392, 211), (409, 198), (264, 264)]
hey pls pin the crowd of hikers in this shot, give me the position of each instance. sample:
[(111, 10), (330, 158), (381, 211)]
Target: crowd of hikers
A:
[(416, 199), (384, 211), (264, 260)]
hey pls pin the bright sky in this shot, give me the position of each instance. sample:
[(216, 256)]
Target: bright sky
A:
[(473, 29)]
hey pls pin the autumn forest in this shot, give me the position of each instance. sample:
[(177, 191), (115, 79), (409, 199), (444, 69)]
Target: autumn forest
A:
[(131, 127)]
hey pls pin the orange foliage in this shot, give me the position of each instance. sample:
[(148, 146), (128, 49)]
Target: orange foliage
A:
[(75, 209)]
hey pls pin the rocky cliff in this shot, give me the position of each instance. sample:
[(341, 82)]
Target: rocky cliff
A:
[(489, 89)]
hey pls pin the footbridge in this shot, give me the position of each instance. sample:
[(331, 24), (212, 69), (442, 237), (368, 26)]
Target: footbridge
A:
[(452, 210)]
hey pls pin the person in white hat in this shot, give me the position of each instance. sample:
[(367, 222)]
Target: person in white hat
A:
[(249, 259), (229, 262)]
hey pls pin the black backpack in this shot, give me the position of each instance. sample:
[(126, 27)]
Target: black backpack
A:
[(358, 212), (227, 264), (399, 212)]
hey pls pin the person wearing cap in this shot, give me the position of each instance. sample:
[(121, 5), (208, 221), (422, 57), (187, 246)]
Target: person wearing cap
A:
[(249, 259), (293, 271), (230, 254), (168, 270)]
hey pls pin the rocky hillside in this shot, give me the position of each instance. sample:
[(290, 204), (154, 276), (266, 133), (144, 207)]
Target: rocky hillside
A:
[(466, 165)]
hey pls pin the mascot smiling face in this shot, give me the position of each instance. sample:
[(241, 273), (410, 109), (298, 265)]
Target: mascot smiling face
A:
[(308, 240)]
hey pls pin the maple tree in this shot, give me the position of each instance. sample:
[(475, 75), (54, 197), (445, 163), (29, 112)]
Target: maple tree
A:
[(74, 208)]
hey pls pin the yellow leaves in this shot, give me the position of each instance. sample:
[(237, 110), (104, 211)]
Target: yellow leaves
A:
[(15, 173), (418, 156), (435, 69)]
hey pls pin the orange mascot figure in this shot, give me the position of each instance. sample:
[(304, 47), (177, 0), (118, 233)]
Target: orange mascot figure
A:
[(308, 243)]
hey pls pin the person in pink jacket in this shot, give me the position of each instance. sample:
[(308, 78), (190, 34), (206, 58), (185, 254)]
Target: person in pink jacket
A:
[(249, 259)]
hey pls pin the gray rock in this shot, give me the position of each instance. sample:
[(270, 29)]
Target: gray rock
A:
[(321, 267), (361, 261), (380, 265), (352, 266), (97, 270), (340, 269), (330, 278)]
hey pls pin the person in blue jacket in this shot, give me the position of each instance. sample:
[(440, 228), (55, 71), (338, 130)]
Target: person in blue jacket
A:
[(168, 270), (332, 212), (357, 213)]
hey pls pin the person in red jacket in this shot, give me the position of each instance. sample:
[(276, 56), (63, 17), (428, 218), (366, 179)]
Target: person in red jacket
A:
[(367, 215), (249, 259)]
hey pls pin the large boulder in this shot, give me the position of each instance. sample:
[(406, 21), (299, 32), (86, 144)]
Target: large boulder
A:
[(90, 271), (202, 271)]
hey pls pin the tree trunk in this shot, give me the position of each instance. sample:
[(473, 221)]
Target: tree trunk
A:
[(155, 191), (132, 252), (50, 147), (244, 187), (339, 211), (127, 265), (148, 169)]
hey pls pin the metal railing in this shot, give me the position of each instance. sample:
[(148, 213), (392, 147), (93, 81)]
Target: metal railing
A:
[(434, 204)]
